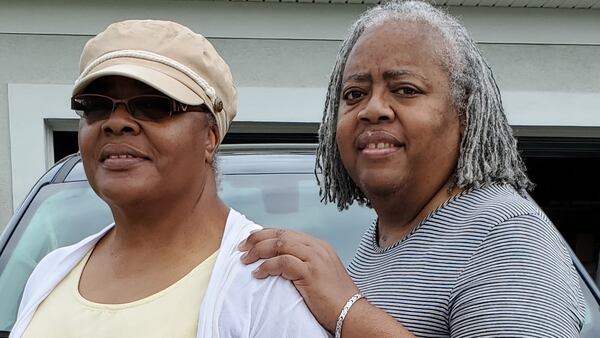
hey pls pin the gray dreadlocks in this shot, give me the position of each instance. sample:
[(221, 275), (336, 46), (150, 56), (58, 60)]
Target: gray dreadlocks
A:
[(488, 150)]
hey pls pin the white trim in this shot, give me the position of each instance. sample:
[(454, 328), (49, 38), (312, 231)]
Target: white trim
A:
[(233, 19), (537, 108), (71, 124), (29, 134), (49, 145)]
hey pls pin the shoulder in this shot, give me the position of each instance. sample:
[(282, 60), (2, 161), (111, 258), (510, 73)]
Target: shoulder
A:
[(523, 273), (269, 307), (513, 227), (517, 225), (495, 203), (528, 240), (237, 228), (477, 212), (480, 215), (265, 307)]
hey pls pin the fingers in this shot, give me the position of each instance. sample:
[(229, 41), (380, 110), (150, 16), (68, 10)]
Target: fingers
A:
[(274, 247), (261, 235), (286, 266)]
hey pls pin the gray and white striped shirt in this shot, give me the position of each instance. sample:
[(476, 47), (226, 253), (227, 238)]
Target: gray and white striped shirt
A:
[(487, 263)]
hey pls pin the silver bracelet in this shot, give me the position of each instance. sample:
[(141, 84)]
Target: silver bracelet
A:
[(340, 321)]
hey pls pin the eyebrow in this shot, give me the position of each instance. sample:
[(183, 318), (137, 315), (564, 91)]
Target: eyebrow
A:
[(396, 73), (360, 77), (387, 75)]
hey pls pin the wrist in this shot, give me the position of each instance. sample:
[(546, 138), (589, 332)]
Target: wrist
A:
[(344, 312)]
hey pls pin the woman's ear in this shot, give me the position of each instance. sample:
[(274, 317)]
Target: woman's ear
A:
[(212, 143)]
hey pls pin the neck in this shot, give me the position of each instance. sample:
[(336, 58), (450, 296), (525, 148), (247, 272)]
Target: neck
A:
[(185, 222), (401, 213)]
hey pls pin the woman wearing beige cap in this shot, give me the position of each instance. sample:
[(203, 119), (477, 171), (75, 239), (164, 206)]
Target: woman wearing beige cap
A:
[(155, 101)]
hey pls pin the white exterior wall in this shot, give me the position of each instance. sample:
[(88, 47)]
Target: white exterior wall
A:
[(546, 62)]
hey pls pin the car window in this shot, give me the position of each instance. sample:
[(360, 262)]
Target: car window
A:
[(63, 214), (292, 201), (60, 215)]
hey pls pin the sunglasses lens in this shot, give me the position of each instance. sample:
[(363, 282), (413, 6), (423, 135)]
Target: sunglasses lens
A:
[(91, 107), (150, 108)]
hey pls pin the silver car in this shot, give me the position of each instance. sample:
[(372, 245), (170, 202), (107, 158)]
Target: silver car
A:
[(273, 185)]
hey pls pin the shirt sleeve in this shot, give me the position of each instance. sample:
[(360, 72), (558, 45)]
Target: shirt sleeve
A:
[(521, 282), (266, 308), (284, 314)]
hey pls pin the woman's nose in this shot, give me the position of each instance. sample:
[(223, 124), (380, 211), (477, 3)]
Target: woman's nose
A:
[(377, 110), (120, 122)]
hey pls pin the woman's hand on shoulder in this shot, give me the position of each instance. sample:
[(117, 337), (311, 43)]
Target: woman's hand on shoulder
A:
[(310, 263)]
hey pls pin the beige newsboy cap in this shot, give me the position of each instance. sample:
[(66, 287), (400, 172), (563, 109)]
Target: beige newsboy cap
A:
[(166, 56)]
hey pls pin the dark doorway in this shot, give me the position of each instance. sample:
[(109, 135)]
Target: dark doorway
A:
[(566, 172), (65, 143)]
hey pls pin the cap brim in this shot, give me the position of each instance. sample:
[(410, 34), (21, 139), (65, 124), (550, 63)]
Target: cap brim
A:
[(153, 78)]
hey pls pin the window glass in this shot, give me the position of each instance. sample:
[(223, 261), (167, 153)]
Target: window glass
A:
[(60, 215), (292, 201), (63, 214)]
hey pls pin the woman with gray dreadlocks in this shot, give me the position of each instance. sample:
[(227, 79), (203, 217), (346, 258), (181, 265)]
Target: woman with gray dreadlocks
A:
[(414, 127)]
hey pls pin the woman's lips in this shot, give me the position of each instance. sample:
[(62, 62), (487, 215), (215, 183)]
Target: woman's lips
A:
[(121, 157), (380, 148), (121, 162), (378, 143)]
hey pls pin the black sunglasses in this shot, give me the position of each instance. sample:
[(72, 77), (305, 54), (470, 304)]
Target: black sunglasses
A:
[(94, 107)]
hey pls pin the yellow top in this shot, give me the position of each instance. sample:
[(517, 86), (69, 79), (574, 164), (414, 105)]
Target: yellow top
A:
[(172, 312)]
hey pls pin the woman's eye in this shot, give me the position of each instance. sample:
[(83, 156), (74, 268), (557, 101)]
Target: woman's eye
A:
[(353, 95), (408, 91)]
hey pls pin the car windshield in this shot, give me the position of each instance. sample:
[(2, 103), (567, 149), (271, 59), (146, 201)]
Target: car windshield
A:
[(60, 214), (63, 214)]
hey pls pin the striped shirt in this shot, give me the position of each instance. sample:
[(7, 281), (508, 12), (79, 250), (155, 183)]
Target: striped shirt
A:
[(487, 263)]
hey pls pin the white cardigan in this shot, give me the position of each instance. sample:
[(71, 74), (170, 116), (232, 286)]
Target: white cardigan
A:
[(235, 304)]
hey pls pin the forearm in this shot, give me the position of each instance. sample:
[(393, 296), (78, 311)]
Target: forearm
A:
[(365, 320)]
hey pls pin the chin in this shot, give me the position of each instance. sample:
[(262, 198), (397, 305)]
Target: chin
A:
[(382, 185), (123, 193)]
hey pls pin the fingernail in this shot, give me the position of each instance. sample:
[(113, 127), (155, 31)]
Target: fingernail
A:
[(241, 245), (244, 256), (255, 272)]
